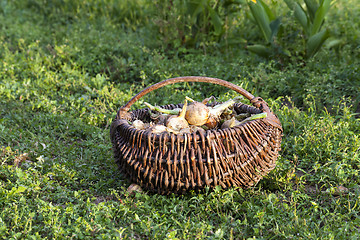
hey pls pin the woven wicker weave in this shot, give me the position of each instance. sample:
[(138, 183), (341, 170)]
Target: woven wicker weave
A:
[(175, 163)]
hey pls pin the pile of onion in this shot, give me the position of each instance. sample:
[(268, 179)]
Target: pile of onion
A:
[(194, 117)]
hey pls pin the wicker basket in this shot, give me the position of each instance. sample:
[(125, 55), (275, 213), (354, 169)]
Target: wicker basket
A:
[(169, 163)]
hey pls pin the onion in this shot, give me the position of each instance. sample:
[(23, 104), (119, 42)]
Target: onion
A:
[(196, 113), (199, 114), (158, 129), (230, 123), (138, 124), (176, 123)]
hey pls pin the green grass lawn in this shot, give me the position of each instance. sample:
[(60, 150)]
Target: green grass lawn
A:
[(67, 66)]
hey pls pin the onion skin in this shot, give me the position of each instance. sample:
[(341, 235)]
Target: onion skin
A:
[(197, 114), (138, 124), (230, 123), (176, 123), (212, 122), (157, 129)]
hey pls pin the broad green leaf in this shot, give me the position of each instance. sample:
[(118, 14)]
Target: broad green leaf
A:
[(312, 6), (275, 26), (290, 4), (194, 9), (228, 3), (216, 21), (319, 16), (333, 43), (300, 15), (268, 11), (250, 16), (261, 19), (315, 42), (260, 50)]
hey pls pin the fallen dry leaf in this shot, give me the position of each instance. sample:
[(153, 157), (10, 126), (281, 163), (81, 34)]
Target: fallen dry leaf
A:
[(20, 159)]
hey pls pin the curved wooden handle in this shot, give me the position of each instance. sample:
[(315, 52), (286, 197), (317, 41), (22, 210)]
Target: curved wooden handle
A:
[(186, 79)]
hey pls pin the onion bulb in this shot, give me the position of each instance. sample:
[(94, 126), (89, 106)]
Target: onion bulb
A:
[(199, 114), (230, 123), (176, 123), (138, 124), (157, 129)]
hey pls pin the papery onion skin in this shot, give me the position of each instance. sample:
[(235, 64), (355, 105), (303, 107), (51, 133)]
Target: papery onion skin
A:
[(212, 122), (197, 114), (176, 123), (230, 123), (138, 124), (158, 129)]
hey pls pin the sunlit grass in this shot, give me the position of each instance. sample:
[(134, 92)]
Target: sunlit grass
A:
[(63, 78)]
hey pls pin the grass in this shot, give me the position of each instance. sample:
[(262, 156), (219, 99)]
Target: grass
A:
[(65, 71)]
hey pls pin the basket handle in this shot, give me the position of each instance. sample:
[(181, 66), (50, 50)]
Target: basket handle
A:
[(186, 79), (256, 101)]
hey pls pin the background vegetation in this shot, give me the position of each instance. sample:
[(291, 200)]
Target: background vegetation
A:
[(67, 66)]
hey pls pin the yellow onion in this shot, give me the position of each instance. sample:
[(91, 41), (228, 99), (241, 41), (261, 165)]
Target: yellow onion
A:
[(199, 114), (230, 123), (196, 113), (176, 123), (158, 129), (138, 124)]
